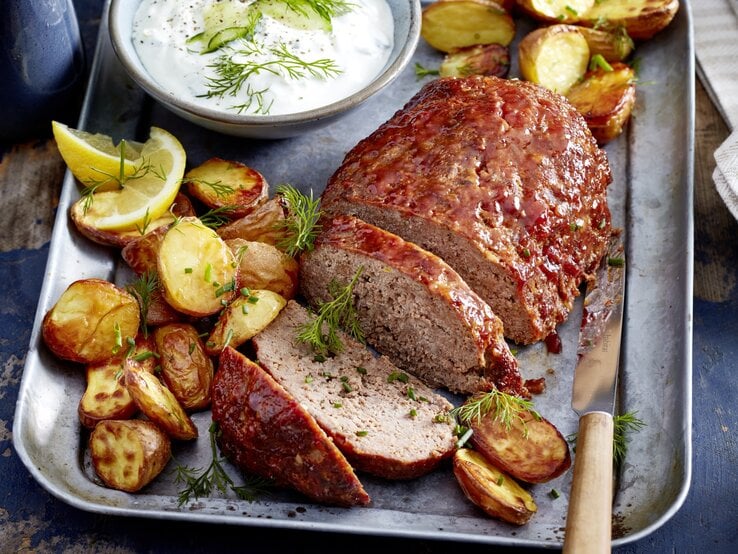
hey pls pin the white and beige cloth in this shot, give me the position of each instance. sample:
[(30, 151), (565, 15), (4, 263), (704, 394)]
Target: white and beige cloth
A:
[(716, 51)]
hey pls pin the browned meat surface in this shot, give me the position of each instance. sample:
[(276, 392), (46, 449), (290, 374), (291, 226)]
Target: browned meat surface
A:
[(384, 420), (266, 432), (412, 307), (500, 178)]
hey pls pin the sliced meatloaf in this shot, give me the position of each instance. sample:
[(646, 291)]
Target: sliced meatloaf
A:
[(263, 430), (412, 307), (500, 178), (385, 421)]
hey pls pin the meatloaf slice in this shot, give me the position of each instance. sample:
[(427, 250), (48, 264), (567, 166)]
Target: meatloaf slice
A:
[(263, 430), (412, 307), (385, 421), (500, 178)]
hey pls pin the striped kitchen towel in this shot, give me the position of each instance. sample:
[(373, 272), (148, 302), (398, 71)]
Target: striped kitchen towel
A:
[(716, 51)]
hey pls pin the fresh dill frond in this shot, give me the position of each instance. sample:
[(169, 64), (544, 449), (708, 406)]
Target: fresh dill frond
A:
[(504, 408), (200, 482), (623, 425), (143, 289), (301, 224), (421, 71), (325, 9), (219, 188), (217, 217), (339, 313)]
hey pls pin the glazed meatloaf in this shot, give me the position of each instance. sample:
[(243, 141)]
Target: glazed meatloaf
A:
[(412, 307), (386, 422), (500, 178), (263, 430)]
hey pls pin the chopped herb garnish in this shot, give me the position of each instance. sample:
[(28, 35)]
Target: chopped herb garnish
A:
[(362, 433), (413, 412), (228, 287), (145, 355), (398, 376), (346, 386), (337, 405), (191, 348), (188, 270), (553, 493), (208, 275), (616, 262), (361, 370), (410, 393), (464, 437), (118, 338), (308, 379), (228, 339), (442, 417), (500, 480), (599, 62), (320, 358), (421, 71)]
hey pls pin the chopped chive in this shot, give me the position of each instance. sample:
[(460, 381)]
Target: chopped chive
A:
[(145, 356), (397, 376), (228, 287), (118, 338), (308, 379), (615, 262), (411, 393), (599, 62), (362, 433), (252, 299), (244, 309), (208, 272), (500, 480), (361, 370), (553, 493), (571, 10), (337, 405), (465, 437), (229, 337), (245, 291), (413, 412), (441, 418), (188, 270), (320, 358), (346, 386)]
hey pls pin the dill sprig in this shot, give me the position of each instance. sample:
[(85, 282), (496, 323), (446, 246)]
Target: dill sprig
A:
[(301, 224), (623, 425), (219, 188), (422, 71), (325, 9), (217, 217), (505, 409), (339, 313), (143, 289), (200, 482)]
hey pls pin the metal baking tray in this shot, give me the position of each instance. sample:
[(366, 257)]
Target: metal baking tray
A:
[(651, 199)]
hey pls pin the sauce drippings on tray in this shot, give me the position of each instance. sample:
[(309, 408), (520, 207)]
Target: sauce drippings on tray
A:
[(263, 57)]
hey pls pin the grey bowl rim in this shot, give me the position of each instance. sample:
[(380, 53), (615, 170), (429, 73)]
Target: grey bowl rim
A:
[(147, 83)]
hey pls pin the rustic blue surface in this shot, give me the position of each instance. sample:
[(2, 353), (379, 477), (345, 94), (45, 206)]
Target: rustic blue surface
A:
[(33, 520)]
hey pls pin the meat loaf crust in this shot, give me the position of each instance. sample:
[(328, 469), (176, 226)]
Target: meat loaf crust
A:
[(263, 430), (385, 421), (500, 178), (412, 307)]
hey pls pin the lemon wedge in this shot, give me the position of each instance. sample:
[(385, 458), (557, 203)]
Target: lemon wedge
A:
[(93, 158), (145, 194)]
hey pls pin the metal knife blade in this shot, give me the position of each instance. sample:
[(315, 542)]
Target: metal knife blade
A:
[(588, 523)]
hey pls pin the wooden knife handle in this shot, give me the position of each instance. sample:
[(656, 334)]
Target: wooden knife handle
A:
[(589, 519)]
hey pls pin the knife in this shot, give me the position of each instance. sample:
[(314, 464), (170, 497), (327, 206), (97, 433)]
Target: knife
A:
[(589, 517)]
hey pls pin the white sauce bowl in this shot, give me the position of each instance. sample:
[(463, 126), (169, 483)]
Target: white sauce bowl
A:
[(406, 15)]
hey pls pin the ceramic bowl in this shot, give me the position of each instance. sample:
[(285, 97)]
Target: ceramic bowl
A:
[(406, 13)]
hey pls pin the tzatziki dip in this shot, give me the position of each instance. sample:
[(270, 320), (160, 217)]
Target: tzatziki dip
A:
[(263, 57)]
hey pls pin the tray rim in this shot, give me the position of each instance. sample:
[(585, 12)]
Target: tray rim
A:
[(67, 495)]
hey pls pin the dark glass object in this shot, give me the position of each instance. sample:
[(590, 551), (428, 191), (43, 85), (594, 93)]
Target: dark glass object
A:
[(42, 66)]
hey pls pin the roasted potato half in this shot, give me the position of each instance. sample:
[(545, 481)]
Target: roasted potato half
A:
[(243, 318), (265, 224), (614, 45), (556, 11), (91, 321), (531, 449), (181, 207), (479, 59), (196, 268), (642, 19), (186, 369), (106, 396), (128, 454), (450, 24), (159, 311), (263, 266), (219, 184), (555, 57), (158, 404), (605, 98), (142, 253), (497, 494)]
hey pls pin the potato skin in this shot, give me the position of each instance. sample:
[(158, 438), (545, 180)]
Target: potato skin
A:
[(158, 404), (536, 457), (555, 11), (497, 494), (90, 321), (478, 59), (642, 19), (128, 454), (141, 254), (185, 367), (242, 187), (262, 225), (264, 266)]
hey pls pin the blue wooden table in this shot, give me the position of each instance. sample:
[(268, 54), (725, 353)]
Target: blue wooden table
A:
[(33, 520)]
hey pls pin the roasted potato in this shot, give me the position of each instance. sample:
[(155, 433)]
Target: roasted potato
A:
[(91, 321), (106, 396), (531, 449), (243, 318), (128, 454), (263, 266), (614, 45), (479, 59), (556, 11), (142, 253), (265, 224), (158, 404), (555, 57), (642, 19), (186, 369), (219, 184), (196, 269), (605, 98), (181, 207), (450, 24), (497, 494), (161, 313)]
